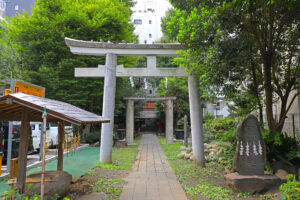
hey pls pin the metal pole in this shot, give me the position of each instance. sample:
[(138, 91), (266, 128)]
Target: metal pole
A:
[(41, 141), (43, 157), (185, 131), (294, 130), (10, 128)]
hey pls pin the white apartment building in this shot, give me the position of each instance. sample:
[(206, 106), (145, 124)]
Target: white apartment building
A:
[(2, 9), (146, 17)]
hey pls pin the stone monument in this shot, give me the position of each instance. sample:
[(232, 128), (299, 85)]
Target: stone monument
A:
[(250, 153), (249, 161)]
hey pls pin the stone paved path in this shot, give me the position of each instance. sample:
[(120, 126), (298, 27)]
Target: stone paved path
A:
[(152, 177)]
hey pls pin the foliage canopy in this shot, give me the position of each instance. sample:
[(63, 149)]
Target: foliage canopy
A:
[(40, 55), (250, 46)]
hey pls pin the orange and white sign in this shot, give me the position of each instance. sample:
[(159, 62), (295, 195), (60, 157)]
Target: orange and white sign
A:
[(27, 88)]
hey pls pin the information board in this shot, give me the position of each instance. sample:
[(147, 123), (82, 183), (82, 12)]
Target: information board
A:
[(27, 88)]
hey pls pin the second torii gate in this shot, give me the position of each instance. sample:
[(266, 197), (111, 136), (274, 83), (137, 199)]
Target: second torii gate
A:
[(110, 71)]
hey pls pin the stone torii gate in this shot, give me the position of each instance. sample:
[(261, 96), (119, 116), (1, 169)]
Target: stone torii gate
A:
[(110, 71), (130, 116)]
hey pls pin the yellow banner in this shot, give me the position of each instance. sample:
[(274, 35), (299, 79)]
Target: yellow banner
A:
[(29, 89)]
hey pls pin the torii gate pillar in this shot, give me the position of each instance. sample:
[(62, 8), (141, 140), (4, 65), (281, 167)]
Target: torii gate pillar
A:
[(169, 122), (108, 108), (130, 121), (196, 116)]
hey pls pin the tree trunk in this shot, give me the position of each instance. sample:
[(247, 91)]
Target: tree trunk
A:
[(269, 91), (256, 92)]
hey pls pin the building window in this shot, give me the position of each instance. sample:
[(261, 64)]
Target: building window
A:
[(16, 7), (137, 21), (150, 91), (150, 9), (150, 21), (150, 35)]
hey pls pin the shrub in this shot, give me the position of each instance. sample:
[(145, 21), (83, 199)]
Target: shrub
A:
[(223, 129), (291, 189), (93, 137), (280, 145)]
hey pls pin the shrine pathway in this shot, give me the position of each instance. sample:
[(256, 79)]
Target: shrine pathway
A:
[(151, 176)]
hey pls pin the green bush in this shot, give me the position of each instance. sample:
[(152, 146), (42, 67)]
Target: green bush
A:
[(280, 146), (208, 115), (92, 137), (180, 123), (291, 189), (223, 129)]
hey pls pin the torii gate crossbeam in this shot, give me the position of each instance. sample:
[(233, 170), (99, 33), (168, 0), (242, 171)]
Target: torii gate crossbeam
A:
[(110, 71)]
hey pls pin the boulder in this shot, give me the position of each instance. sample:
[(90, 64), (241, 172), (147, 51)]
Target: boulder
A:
[(211, 153), (59, 185), (206, 146), (281, 174), (187, 156), (121, 143), (181, 155), (253, 183), (214, 150), (96, 144), (285, 165), (192, 157), (227, 171)]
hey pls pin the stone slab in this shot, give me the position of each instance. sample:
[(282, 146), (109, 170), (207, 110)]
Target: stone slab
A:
[(253, 184)]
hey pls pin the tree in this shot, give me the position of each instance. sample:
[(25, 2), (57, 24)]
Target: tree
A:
[(250, 42), (176, 87), (43, 57), (7, 60)]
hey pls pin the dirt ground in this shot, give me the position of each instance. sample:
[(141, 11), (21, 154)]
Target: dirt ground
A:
[(82, 188)]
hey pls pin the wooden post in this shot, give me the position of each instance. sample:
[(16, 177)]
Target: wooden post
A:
[(23, 150), (61, 139), (43, 155), (185, 131)]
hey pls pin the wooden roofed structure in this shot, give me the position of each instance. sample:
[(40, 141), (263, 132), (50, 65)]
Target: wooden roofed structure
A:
[(25, 108), (11, 107)]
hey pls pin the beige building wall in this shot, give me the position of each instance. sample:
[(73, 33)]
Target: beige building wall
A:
[(292, 122)]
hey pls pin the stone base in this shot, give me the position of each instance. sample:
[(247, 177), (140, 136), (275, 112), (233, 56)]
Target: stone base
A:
[(253, 184), (121, 143), (59, 185), (132, 144)]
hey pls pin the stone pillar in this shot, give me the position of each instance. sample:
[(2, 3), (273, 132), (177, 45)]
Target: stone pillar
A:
[(169, 121), (108, 108), (130, 121), (185, 131), (196, 122)]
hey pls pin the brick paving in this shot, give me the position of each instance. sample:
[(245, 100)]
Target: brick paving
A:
[(152, 177)]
